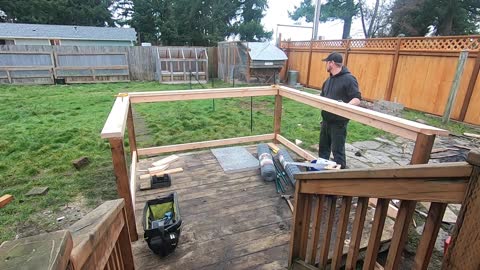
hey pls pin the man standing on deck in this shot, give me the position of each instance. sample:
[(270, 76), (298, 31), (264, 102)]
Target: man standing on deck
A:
[(343, 87)]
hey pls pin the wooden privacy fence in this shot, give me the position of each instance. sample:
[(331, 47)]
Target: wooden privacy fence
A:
[(417, 72), (91, 67), (26, 67), (100, 240), (84, 63), (315, 204)]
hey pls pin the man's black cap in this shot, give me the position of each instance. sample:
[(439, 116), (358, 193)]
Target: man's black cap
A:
[(335, 57)]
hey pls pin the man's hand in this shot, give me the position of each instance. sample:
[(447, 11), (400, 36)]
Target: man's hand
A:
[(354, 101)]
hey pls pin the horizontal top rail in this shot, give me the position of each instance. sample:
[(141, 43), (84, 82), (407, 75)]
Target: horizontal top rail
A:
[(396, 125), (444, 183), (443, 170), (115, 125), (158, 96)]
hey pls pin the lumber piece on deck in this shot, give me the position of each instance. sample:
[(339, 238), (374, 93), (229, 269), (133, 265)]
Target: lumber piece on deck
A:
[(158, 169), (274, 147), (472, 135), (391, 212), (161, 173), (165, 161), (5, 199)]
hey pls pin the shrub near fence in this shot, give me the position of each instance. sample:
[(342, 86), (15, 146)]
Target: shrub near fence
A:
[(417, 72)]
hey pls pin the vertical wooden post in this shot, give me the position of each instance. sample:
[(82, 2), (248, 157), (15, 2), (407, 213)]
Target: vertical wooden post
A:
[(421, 155), (277, 117), (298, 224), (464, 251), (309, 63), (471, 86), (429, 235), (123, 187), (132, 141), (393, 71), (455, 84), (125, 245), (347, 48)]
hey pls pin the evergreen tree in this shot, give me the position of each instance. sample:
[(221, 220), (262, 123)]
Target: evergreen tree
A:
[(69, 12), (198, 22), (440, 17), (344, 10)]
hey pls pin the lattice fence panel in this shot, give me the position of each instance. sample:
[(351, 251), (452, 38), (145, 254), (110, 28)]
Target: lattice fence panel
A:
[(471, 43), (374, 44), (330, 44)]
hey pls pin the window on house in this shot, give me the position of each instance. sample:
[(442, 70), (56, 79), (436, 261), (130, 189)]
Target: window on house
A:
[(7, 42), (54, 42)]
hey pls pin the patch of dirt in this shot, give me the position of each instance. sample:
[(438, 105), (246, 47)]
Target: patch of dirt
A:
[(49, 221)]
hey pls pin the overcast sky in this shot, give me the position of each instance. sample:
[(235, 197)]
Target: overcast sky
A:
[(277, 13)]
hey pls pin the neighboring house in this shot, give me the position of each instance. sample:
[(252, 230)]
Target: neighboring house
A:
[(43, 34)]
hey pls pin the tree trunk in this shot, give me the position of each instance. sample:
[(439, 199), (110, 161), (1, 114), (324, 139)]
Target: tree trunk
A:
[(347, 24), (446, 23), (372, 20)]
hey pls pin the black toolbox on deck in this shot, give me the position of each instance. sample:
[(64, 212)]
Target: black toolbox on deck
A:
[(162, 223)]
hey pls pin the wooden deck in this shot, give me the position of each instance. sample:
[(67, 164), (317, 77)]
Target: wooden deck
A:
[(230, 221)]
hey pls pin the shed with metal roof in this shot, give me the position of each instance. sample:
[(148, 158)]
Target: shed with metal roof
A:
[(250, 61)]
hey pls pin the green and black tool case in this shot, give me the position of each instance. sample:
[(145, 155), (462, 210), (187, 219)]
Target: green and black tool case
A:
[(162, 223)]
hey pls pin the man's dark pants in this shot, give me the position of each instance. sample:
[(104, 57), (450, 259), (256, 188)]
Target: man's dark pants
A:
[(332, 139)]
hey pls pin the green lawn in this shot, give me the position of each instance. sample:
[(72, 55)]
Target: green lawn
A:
[(44, 128)]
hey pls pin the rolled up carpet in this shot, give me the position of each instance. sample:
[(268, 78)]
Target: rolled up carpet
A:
[(267, 169)]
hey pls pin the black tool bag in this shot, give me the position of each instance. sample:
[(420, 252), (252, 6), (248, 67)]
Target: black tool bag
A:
[(161, 223)]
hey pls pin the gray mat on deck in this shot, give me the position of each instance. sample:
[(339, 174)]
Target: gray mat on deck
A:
[(235, 159)]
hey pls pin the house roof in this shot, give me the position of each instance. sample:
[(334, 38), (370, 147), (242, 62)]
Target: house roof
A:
[(264, 51), (21, 30)]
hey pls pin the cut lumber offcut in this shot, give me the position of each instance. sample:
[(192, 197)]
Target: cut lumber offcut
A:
[(5, 199), (391, 212), (274, 147), (165, 161), (472, 135), (161, 173), (158, 169), (462, 146), (440, 150), (145, 186)]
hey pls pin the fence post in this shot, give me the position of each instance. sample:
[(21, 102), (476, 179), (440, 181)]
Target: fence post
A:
[(463, 253), (347, 48), (471, 86), (393, 71), (309, 63), (455, 84), (123, 187)]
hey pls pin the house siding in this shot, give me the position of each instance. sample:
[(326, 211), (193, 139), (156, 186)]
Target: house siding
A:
[(26, 41), (73, 42)]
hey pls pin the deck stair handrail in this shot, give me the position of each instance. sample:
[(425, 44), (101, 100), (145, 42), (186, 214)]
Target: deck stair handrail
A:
[(439, 184)]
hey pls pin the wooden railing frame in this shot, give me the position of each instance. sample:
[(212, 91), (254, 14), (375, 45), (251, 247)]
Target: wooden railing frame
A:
[(121, 117), (439, 184), (101, 237), (99, 240)]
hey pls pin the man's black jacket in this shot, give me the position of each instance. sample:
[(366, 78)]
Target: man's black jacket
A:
[(342, 86)]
